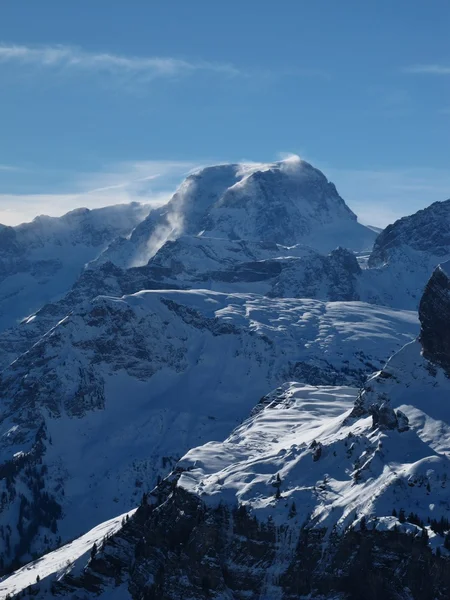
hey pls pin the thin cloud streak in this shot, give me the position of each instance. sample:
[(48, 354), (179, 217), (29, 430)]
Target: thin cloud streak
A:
[(148, 182), (8, 168), (436, 69), (68, 57)]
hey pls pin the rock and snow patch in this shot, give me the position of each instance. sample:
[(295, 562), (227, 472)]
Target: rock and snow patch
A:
[(69, 559), (122, 388), (302, 456)]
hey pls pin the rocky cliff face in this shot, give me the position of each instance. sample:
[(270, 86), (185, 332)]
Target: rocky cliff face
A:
[(183, 549), (434, 311), (427, 230)]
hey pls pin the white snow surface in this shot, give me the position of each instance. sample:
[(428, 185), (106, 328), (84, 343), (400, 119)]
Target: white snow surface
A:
[(360, 471), (287, 202), (40, 260), (53, 566), (126, 386)]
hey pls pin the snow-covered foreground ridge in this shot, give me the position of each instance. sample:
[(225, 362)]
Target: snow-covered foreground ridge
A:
[(334, 467), (59, 563), (267, 512), (320, 488), (111, 397)]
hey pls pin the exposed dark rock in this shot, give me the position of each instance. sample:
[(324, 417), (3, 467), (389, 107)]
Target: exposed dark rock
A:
[(181, 548), (402, 421), (434, 315), (383, 416)]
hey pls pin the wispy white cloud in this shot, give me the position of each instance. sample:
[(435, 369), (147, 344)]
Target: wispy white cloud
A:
[(73, 58), (377, 196), (430, 69), (142, 181), (8, 168)]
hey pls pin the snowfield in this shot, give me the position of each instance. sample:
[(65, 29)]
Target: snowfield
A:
[(334, 468), (124, 387)]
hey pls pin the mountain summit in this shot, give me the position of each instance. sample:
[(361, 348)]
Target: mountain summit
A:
[(288, 202)]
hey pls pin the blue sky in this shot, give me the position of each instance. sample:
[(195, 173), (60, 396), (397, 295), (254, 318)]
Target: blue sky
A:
[(109, 101)]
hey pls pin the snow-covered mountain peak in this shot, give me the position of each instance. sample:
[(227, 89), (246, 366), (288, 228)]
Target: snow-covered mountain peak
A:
[(287, 202)]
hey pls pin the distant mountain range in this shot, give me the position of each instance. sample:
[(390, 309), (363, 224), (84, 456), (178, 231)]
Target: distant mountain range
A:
[(247, 365)]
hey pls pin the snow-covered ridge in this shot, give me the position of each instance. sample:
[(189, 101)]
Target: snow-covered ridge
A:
[(109, 398), (69, 559), (330, 466), (40, 260), (427, 230)]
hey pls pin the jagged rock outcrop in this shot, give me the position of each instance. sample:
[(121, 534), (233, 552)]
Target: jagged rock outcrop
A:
[(434, 315)]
